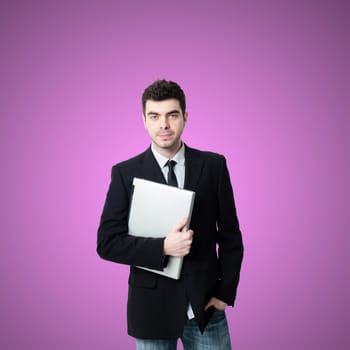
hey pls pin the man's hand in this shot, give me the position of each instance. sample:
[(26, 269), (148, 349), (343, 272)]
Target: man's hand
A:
[(178, 243), (217, 303)]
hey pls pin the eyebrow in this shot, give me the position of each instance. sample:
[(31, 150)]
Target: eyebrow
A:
[(152, 113), (174, 111)]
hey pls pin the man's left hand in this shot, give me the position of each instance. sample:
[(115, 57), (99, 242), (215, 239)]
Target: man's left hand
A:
[(217, 303)]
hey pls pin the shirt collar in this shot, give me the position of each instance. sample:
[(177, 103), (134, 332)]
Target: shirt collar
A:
[(179, 156)]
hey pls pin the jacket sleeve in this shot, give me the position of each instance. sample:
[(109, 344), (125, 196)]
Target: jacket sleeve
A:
[(230, 245), (113, 241)]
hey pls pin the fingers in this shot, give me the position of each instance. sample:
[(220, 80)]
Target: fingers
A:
[(188, 235), (181, 224), (208, 306), (178, 242), (216, 303), (184, 247)]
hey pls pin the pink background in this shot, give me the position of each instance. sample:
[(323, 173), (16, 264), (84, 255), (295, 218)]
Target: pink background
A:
[(267, 84)]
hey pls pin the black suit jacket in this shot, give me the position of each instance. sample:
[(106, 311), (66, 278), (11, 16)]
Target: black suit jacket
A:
[(157, 305)]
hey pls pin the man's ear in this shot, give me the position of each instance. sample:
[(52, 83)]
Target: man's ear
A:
[(185, 117), (144, 120)]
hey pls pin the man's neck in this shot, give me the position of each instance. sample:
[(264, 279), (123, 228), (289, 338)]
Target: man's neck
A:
[(167, 152)]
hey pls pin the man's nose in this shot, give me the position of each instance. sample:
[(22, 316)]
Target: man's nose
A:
[(164, 123)]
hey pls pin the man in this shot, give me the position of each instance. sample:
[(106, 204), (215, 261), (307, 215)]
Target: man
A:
[(161, 309)]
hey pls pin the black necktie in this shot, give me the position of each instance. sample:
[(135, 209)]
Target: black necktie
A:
[(172, 181)]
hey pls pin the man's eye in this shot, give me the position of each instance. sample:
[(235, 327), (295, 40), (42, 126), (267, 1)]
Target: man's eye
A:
[(153, 117), (174, 116)]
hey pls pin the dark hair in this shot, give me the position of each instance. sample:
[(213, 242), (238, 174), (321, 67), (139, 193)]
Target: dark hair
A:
[(163, 90)]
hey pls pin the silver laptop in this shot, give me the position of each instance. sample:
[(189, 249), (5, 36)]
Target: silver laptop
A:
[(155, 209)]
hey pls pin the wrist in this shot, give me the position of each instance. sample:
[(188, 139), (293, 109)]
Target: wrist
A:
[(165, 247)]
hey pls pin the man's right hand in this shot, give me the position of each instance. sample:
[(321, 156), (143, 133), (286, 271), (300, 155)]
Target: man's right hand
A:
[(178, 243)]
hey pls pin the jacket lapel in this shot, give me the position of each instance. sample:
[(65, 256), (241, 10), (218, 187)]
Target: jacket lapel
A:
[(150, 168), (194, 166)]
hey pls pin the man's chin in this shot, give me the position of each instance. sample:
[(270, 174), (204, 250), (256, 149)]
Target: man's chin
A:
[(169, 146), (166, 145)]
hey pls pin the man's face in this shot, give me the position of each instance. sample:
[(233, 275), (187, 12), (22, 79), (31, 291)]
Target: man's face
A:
[(164, 123)]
